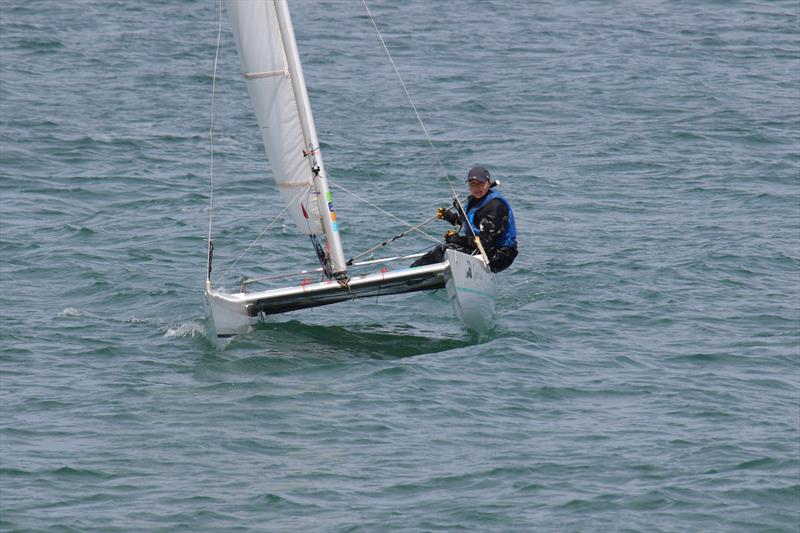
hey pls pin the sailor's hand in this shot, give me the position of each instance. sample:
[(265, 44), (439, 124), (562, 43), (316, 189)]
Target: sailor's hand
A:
[(445, 214), (451, 237)]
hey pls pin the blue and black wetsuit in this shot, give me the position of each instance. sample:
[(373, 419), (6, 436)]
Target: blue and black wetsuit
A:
[(493, 221)]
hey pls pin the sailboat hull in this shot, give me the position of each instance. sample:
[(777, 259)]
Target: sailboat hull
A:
[(472, 291), (469, 283), (232, 314), (225, 316)]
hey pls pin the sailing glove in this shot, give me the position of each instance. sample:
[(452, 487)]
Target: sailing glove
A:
[(444, 214), (451, 237)]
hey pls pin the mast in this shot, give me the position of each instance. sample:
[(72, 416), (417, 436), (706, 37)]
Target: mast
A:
[(311, 150)]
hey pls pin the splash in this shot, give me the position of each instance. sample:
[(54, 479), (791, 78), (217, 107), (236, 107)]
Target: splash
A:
[(188, 329)]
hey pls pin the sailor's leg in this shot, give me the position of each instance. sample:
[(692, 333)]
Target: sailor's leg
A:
[(434, 256), (503, 259)]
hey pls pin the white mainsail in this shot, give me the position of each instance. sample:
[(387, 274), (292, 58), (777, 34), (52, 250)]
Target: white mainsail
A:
[(271, 65)]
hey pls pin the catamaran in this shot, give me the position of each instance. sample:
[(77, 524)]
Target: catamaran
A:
[(274, 76)]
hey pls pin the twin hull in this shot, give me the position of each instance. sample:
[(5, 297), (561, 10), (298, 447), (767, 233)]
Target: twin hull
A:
[(469, 283)]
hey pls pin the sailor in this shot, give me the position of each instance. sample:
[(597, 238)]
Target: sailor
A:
[(491, 219)]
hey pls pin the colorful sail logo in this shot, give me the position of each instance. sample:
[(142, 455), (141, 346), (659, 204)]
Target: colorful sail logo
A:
[(334, 224)]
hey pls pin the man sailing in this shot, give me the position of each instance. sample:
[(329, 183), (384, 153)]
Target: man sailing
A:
[(490, 218)]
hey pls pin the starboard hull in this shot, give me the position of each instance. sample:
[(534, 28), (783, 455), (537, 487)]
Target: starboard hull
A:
[(472, 291)]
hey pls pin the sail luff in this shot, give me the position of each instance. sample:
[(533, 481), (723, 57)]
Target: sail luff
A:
[(311, 151)]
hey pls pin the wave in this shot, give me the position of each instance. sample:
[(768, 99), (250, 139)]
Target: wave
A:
[(187, 329)]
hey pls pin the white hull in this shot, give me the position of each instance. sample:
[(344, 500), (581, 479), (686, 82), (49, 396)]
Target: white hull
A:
[(469, 283), (472, 291), (225, 315)]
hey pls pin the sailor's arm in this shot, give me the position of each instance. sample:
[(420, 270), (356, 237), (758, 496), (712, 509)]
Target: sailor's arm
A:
[(492, 225)]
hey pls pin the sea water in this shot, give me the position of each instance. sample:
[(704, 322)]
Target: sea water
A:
[(643, 372)]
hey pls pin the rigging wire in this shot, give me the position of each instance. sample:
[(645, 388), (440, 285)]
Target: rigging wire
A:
[(419, 118), (211, 139), (410, 101), (357, 197), (388, 241), (269, 226), (219, 278)]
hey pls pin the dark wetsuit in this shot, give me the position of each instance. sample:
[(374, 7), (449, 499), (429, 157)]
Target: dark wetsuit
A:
[(491, 220)]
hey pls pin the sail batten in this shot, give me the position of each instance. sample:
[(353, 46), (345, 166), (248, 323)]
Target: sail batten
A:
[(270, 74)]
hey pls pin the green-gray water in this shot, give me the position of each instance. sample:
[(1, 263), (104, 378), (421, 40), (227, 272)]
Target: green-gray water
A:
[(643, 374)]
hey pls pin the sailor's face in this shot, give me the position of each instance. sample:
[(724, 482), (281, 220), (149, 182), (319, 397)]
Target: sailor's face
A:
[(478, 188)]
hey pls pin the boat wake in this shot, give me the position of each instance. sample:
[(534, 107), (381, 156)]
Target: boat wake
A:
[(70, 312), (188, 329)]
